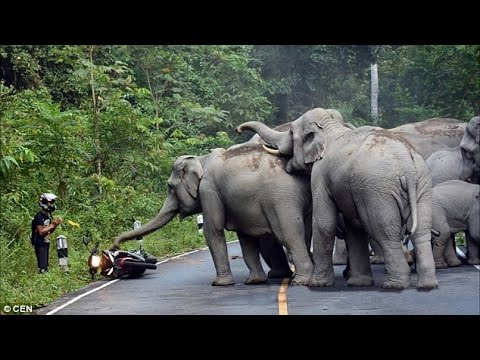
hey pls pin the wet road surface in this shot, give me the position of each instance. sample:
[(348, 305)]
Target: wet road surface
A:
[(182, 286)]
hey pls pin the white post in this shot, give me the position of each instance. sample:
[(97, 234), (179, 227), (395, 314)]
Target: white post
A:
[(374, 93), (136, 225), (200, 223), (62, 252)]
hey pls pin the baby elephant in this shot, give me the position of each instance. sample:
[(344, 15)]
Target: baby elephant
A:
[(456, 207)]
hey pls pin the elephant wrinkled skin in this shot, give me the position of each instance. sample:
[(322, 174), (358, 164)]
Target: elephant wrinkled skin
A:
[(246, 190), (375, 179)]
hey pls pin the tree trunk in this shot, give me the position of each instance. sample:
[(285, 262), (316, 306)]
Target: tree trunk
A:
[(152, 94), (282, 108), (95, 121), (374, 93)]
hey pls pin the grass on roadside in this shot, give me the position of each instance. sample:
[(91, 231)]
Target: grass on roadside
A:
[(21, 285)]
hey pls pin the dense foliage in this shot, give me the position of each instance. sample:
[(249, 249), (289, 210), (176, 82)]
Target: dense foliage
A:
[(100, 126)]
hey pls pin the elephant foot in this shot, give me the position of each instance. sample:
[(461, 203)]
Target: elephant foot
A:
[(427, 280), (346, 273), (339, 260), (362, 280), (300, 280), (441, 264), (322, 281), (473, 261), (454, 261), (280, 273), (255, 280), (377, 259), (396, 283), (223, 281)]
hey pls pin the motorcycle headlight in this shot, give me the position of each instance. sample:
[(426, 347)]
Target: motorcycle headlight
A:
[(95, 261)]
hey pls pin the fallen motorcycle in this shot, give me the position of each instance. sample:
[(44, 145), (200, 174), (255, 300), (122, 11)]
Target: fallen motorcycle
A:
[(116, 263)]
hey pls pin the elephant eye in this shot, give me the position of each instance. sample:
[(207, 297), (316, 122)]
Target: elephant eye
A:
[(309, 136)]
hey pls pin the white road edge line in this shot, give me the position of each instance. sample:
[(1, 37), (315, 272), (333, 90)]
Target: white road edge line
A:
[(460, 252), (51, 312)]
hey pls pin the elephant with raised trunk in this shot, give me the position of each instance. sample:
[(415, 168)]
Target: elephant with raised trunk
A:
[(377, 181), (247, 190)]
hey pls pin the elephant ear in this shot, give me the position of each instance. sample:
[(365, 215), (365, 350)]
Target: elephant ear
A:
[(191, 173), (313, 143)]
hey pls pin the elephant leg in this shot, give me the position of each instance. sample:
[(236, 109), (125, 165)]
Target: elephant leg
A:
[(385, 229), (213, 229), (346, 272), (422, 242), (450, 252), (377, 257), (289, 229), (339, 252), (473, 253), (440, 242), (323, 236), (308, 233), (472, 238), (360, 273), (274, 256), (251, 255)]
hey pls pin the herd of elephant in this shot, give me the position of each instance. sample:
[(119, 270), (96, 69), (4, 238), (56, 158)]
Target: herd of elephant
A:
[(304, 183)]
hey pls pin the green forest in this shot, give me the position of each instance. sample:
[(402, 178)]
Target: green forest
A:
[(100, 126)]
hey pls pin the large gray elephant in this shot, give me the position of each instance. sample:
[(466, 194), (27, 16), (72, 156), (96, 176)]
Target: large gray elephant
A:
[(246, 190), (471, 140), (456, 207), (377, 181), (426, 137)]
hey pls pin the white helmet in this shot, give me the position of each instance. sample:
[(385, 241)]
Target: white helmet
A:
[(45, 198)]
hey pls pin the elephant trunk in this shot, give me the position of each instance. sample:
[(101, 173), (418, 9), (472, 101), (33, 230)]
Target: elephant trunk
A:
[(281, 140), (168, 211)]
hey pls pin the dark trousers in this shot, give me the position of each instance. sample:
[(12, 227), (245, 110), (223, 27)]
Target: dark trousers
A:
[(41, 251)]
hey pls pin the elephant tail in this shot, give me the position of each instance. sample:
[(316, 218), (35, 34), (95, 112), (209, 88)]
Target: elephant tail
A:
[(409, 185)]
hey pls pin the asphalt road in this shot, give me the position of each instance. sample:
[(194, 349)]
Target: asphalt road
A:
[(182, 286)]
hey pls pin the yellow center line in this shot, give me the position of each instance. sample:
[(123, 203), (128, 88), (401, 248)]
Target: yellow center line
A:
[(282, 297)]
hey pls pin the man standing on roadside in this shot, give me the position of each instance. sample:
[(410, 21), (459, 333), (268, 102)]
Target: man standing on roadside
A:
[(42, 227)]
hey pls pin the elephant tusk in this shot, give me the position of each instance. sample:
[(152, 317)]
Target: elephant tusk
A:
[(323, 152), (435, 232), (271, 151)]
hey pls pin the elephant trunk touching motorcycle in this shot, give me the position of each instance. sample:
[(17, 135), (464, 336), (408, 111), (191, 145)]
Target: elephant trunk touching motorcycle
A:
[(225, 186)]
